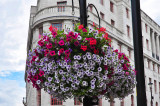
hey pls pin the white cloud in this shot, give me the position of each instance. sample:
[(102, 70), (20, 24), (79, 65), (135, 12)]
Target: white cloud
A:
[(11, 93), (151, 7), (14, 33)]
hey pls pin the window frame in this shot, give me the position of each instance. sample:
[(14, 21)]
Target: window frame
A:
[(111, 6)]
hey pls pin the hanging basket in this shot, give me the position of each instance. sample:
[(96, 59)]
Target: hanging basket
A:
[(77, 63)]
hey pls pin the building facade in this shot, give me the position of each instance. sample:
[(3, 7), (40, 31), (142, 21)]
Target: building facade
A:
[(116, 18)]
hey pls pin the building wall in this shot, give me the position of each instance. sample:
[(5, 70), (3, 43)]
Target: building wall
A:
[(45, 14)]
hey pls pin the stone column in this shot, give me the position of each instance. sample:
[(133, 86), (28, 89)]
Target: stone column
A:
[(35, 37), (157, 46), (153, 44), (46, 26)]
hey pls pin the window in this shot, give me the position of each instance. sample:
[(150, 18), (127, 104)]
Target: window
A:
[(112, 22), (119, 47), (55, 101), (111, 7), (153, 67), (76, 101), (40, 32), (122, 102), (128, 31), (156, 103), (147, 44), (155, 86), (150, 80), (158, 69), (61, 6), (146, 27), (38, 97), (127, 13), (102, 15), (132, 100), (148, 64), (58, 26), (101, 1), (129, 53), (112, 103)]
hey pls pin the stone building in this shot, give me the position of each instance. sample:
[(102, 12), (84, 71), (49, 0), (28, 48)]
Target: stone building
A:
[(116, 18)]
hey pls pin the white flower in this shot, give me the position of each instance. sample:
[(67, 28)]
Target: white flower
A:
[(79, 37)]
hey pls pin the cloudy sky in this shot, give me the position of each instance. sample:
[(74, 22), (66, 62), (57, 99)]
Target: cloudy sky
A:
[(14, 17)]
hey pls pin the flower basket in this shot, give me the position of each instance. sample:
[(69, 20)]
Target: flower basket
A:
[(79, 63)]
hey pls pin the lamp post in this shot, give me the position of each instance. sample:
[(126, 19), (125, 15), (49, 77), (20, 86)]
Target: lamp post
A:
[(24, 101), (150, 85)]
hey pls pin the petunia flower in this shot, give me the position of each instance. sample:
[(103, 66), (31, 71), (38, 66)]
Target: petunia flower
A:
[(80, 27), (40, 42), (84, 48), (93, 42), (61, 42), (49, 46), (51, 28), (76, 43), (52, 53), (67, 52), (61, 51)]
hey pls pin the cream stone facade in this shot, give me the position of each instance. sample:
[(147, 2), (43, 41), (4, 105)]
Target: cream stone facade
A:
[(118, 23)]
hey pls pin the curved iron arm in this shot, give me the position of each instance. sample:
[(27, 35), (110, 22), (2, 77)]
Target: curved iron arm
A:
[(96, 11)]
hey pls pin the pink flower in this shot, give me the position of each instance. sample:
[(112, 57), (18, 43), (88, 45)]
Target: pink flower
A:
[(54, 34), (49, 46), (46, 52), (76, 43), (41, 43), (61, 51), (52, 53), (67, 52), (33, 58), (41, 73), (35, 78), (105, 67), (127, 73), (116, 50), (61, 42), (84, 30)]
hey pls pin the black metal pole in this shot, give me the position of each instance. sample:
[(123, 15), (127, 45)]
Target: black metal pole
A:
[(138, 53), (151, 97), (87, 101), (83, 12)]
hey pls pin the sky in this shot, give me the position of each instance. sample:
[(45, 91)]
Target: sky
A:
[(14, 21)]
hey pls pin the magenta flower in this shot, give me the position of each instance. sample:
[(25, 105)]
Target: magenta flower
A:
[(49, 46), (84, 30), (76, 43), (52, 53), (127, 73), (61, 42), (54, 34), (67, 52), (41, 73), (61, 51), (40, 42)]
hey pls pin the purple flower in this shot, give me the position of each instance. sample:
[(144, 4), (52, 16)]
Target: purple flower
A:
[(92, 86), (38, 82), (84, 83), (46, 83), (60, 72), (99, 69), (104, 77), (50, 79)]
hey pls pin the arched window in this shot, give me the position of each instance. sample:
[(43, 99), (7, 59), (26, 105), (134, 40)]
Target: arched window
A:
[(156, 104), (132, 100)]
